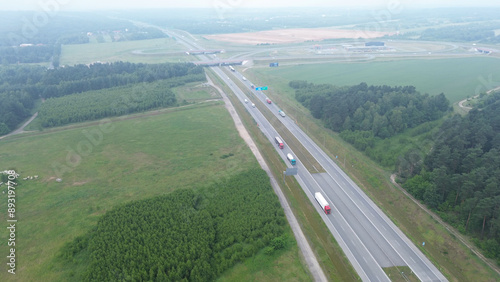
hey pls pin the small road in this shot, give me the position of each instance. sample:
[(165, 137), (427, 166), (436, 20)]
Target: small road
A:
[(21, 129), (467, 108)]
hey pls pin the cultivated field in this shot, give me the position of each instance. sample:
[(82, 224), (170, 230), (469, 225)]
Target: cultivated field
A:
[(102, 166), (457, 78), (294, 35), (141, 51)]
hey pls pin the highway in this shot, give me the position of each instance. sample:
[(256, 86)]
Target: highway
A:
[(368, 237), (371, 237)]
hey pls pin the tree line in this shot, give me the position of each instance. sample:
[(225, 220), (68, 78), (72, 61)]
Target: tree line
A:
[(460, 177), (484, 33), (22, 86), (188, 235), (28, 54), (363, 113), (80, 78), (104, 103)]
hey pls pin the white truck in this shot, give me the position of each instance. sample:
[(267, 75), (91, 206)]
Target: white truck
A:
[(322, 202)]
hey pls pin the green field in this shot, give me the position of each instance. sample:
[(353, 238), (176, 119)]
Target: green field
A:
[(457, 78), (124, 51), (127, 159), (195, 92)]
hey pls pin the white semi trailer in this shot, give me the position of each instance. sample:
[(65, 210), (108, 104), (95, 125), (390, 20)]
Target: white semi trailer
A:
[(322, 202)]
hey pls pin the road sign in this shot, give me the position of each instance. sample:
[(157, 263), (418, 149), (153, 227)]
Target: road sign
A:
[(261, 88)]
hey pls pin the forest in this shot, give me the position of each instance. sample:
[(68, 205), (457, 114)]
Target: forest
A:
[(460, 177), (188, 235), (22, 86), (99, 104), (362, 113)]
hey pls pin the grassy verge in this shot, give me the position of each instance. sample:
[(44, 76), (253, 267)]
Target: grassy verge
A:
[(195, 92), (442, 248), (330, 256), (401, 273)]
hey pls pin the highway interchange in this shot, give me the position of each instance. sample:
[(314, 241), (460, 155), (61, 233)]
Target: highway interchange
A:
[(368, 237)]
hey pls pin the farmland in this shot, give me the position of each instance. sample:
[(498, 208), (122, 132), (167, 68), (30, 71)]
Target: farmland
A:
[(457, 78), (136, 159)]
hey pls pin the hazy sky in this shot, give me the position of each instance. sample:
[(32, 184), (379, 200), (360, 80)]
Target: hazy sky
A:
[(137, 4)]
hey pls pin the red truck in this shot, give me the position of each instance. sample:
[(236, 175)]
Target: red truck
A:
[(279, 142)]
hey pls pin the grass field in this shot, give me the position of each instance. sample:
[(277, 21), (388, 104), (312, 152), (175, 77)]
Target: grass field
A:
[(280, 266), (195, 92), (123, 51), (457, 78), (133, 159)]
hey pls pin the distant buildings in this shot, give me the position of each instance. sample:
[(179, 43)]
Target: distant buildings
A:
[(368, 47), (484, 50)]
